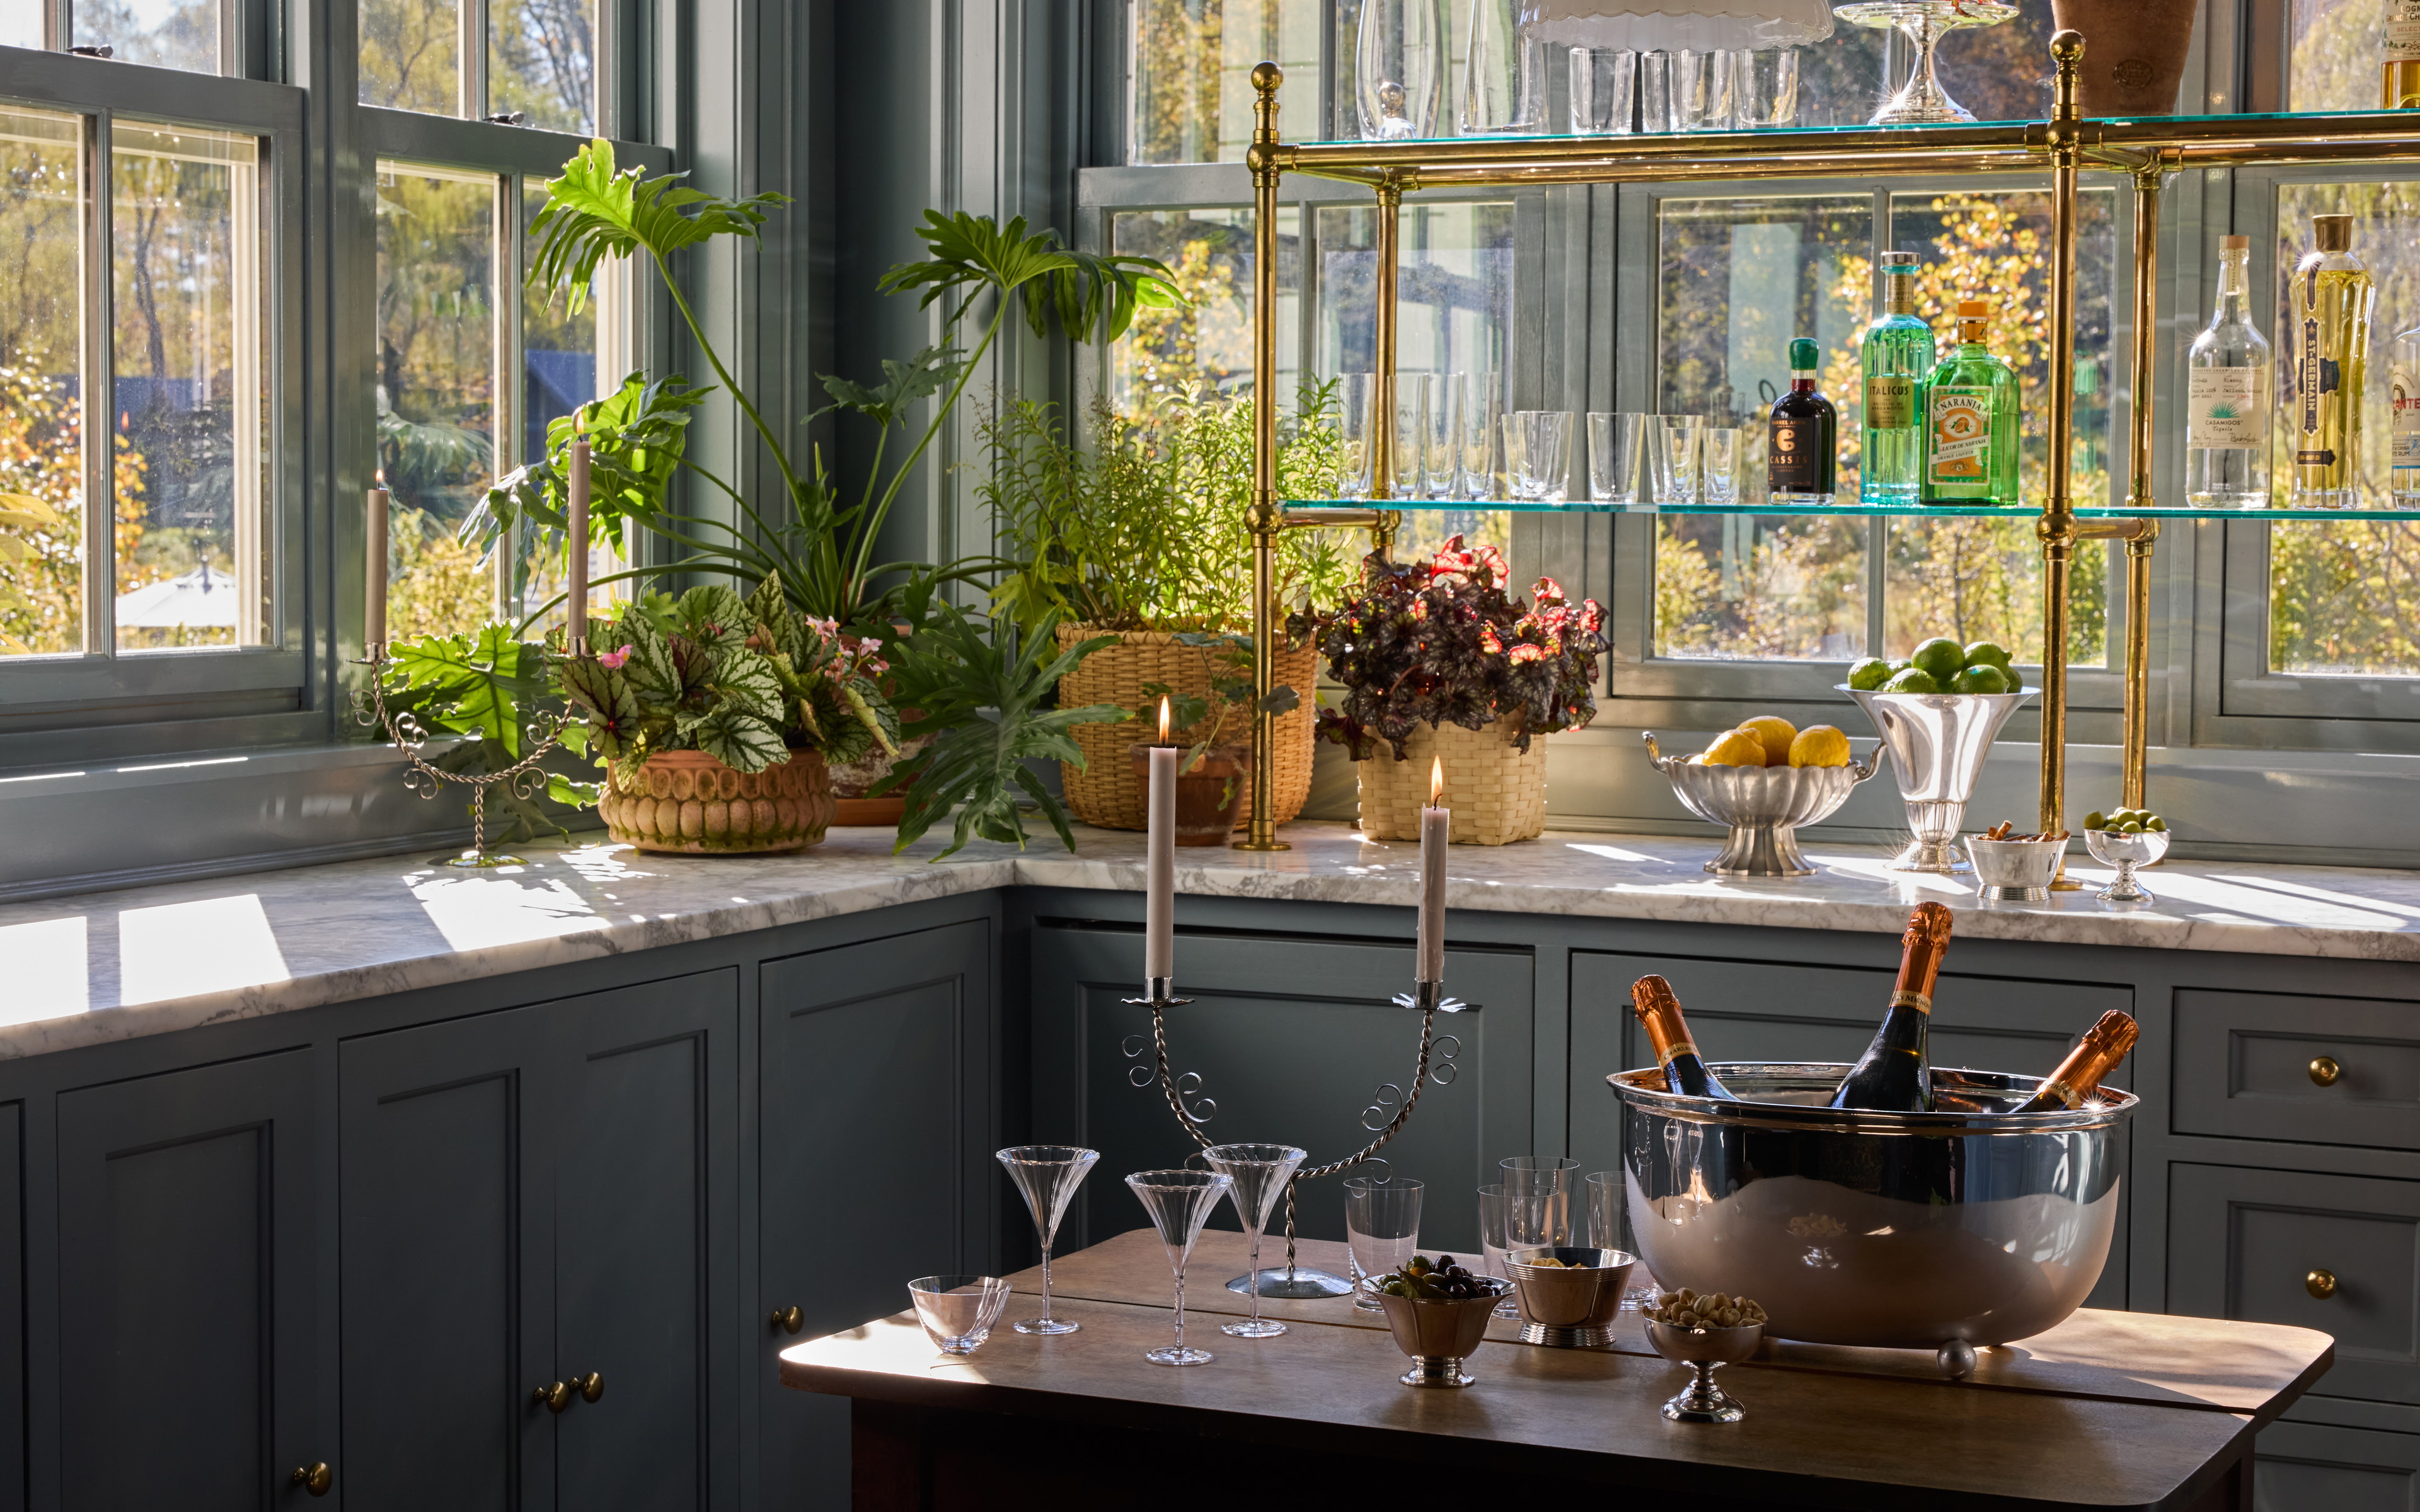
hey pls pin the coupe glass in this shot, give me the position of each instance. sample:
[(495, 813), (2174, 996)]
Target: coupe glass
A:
[(1260, 1173), (958, 1311), (1494, 1210), (1449, 393), (1178, 1202), (1048, 1175), (1382, 1230)]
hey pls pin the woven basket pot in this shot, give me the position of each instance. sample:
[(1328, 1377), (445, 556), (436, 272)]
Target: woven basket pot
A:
[(686, 801), (1105, 792), (1497, 793)]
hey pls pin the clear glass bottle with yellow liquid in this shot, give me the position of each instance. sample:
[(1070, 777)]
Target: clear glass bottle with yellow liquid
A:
[(2333, 299)]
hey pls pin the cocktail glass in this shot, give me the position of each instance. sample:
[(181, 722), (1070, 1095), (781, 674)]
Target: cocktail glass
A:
[(1048, 1175), (1382, 1229), (2126, 851), (1178, 1202), (958, 1311), (1259, 1172)]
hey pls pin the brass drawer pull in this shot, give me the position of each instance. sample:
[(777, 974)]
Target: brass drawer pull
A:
[(590, 1386), (789, 1319), (555, 1395), (2325, 1070), (315, 1478), (2320, 1284)]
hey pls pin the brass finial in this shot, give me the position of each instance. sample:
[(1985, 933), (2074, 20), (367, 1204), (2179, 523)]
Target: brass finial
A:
[(2067, 52), (1266, 76)]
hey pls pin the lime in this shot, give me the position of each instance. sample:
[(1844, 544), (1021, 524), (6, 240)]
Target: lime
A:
[(2095, 819), (1938, 658), (1913, 680), (1985, 651), (1867, 673), (1899, 664), (1985, 678)]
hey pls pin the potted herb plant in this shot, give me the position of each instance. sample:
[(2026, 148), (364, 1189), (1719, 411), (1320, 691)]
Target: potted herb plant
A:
[(1439, 664)]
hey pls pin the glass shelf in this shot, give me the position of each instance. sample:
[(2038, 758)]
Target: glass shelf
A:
[(2247, 121), (1517, 506)]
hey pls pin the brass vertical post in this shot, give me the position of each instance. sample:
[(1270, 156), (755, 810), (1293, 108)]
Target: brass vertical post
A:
[(2057, 527), (2135, 743), (1261, 830), (2135, 752), (1382, 424)]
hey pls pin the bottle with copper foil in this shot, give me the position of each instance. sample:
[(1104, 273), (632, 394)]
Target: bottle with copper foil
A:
[(1685, 1069), (1971, 417), (1893, 1076), (2079, 1076)]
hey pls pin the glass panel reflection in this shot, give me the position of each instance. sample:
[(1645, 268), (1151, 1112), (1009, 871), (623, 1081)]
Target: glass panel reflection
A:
[(42, 389), (412, 55), (1192, 79), (165, 34), (542, 62)]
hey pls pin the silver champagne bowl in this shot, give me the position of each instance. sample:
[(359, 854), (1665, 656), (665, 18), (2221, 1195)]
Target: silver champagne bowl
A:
[(1938, 743), (1963, 1227), (1761, 806)]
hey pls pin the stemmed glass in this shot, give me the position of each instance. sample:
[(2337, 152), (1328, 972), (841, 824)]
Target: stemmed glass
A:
[(1259, 1172), (1048, 1176), (1178, 1202)]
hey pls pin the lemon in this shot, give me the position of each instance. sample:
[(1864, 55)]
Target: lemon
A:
[(1776, 732), (1867, 673), (1736, 747), (1820, 744)]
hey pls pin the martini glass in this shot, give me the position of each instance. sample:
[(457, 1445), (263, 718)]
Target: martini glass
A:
[(1259, 1172), (1178, 1202), (1048, 1176)]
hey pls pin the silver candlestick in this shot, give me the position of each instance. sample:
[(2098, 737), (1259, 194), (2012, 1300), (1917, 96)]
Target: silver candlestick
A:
[(527, 779)]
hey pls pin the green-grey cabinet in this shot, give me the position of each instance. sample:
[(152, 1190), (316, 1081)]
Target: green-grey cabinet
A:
[(2315, 1467), (1292, 1040)]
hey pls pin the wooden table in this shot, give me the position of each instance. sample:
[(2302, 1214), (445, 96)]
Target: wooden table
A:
[(2108, 1410)]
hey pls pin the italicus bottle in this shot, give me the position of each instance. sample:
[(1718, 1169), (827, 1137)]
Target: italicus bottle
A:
[(1685, 1069), (2403, 379), (2399, 81), (2229, 382), (1970, 419), (1893, 1075), (1802, 452), (2333, 295), (2093, 1058), (1897, 353)]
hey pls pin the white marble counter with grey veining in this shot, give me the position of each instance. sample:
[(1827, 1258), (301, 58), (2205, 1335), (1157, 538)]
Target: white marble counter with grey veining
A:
[(113, 965)]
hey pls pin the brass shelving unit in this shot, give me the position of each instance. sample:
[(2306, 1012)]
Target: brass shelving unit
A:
[(2147, 150)]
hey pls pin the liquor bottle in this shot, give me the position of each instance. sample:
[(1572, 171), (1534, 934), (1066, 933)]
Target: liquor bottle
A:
[(2333, 295), (1805, 444), (2228, 388), (1897, 356), (1970, 419), (2399, 81), (1892, 1076), (2403, 377), (1685, 1069), (2079, 1076)]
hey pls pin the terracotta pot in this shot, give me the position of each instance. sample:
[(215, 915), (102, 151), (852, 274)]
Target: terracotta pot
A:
[(882, 813), (2134, 53), (851, 781), (1208, 798), (684, 801)]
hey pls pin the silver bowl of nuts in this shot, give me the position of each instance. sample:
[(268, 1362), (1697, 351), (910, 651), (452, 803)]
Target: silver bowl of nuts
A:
[(1703, 1332), (2015, 867)]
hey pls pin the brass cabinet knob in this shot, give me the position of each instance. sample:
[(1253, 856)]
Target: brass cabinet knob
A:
[(789, 1319), (2325, 1070), (315, 1478), (2320, 1284), (555, 1395), (590, 1386)]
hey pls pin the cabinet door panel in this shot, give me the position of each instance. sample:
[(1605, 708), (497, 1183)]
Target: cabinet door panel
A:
[(633, 1224), (12, 1307), (2311, 1467), (1292, 1039), (2243, 1068), (186, 1294), (878, 1133), (445, 1329)]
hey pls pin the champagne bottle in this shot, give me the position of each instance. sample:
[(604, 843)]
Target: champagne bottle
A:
[(1685, 1069), (2079, 1076), (1892, 1075)]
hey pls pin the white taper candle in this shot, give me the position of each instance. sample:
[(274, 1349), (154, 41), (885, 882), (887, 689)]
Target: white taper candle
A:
[(1435, 830)]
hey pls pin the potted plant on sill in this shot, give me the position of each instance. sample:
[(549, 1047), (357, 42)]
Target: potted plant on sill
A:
[(1139, 537), (1439, 664)]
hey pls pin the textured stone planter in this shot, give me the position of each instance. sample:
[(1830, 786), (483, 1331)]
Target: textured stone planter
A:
[(686, 801)]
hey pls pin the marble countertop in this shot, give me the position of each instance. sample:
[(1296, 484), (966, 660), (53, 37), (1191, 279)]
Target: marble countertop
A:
[(114, 965)]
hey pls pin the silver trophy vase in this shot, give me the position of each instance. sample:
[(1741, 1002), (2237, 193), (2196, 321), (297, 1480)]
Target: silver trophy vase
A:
[(1938, 743)]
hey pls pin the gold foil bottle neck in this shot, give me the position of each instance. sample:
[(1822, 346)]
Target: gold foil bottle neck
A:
[(2333, 233)]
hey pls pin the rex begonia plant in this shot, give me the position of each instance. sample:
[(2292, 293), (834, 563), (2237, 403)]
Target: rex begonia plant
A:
[(1441, 641)]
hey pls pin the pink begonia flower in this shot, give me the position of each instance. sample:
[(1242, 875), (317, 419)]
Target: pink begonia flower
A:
[(612, 660)]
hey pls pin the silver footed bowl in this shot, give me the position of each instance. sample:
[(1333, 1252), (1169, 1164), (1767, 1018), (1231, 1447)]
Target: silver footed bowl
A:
[(1938, 743), (1900, 1230), (1760, 805)]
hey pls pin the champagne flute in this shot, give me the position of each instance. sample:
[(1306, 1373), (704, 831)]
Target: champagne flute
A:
[(1178, 1202), (1048, 1176)]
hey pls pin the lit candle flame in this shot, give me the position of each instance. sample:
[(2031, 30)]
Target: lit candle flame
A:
[(1163, 720), (1437, 781), (377, 478), (579, 421)]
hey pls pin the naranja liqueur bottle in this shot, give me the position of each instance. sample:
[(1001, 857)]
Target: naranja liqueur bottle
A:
[(2229, 382), (1893, 1076), (1897, 353), (1802, 449), (1685, 1071), (2333, 295), (1970, 419)]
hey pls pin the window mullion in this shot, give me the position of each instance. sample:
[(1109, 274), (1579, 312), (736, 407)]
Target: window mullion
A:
[(471, 59), (100, 406), (505, 279)]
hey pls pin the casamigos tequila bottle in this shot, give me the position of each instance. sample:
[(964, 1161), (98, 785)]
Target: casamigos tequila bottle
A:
[(2333, 295), (2228, 383), (1897, 353)]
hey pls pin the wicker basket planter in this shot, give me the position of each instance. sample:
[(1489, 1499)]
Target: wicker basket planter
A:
[(1107, 793), (686, 801), (1497, 793)]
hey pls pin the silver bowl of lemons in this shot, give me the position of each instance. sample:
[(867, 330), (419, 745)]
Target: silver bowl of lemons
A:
[(1761, 782)]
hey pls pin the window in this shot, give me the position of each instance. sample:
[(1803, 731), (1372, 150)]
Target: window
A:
[(164, 34), (538, 65)]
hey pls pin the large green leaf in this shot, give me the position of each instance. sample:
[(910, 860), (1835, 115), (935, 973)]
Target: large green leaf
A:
[(715, 616), (469, 685), (596, 210), (974, 253), (741, 741), (749, 681), (652, 667), (607, 698)]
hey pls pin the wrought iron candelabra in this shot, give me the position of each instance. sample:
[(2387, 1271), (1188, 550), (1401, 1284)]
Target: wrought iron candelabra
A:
[(526, 778), (1390, 1109)]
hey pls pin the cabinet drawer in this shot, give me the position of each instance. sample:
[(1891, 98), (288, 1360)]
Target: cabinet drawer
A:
[(2243, 1244), (2309, 1467), (2243, 1068)]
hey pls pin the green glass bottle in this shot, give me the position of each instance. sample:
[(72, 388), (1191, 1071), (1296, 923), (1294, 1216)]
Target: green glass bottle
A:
[(1897, 352), (1970, 419)]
